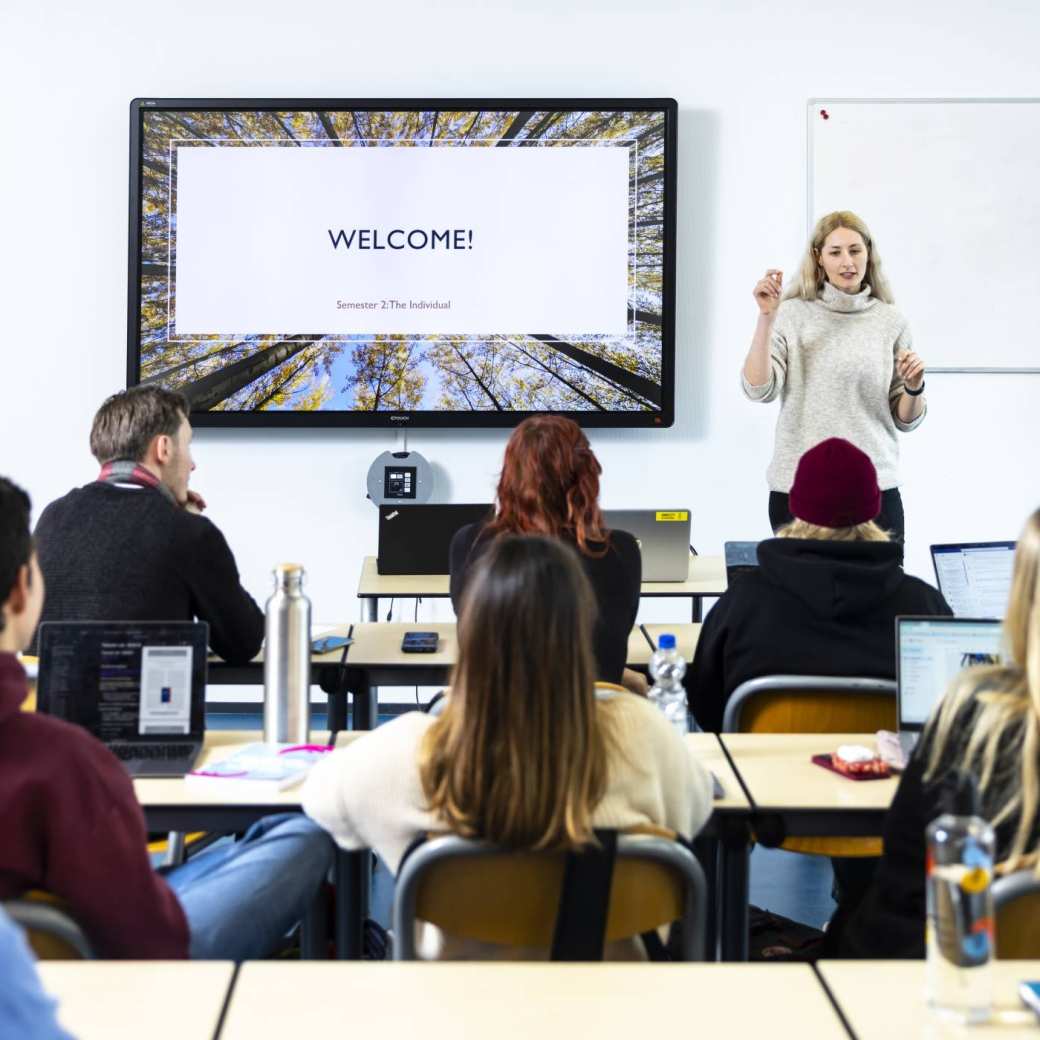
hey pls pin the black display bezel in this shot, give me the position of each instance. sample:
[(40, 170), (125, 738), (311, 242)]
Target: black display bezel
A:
[(662, 418)]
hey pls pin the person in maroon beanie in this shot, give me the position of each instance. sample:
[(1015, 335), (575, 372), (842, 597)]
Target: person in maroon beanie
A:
[(824, 596), (822, 601)]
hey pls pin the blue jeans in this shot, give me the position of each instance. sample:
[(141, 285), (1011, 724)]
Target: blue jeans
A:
[(243, 897)]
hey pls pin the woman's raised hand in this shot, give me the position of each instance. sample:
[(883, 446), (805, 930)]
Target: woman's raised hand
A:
[(767, 291), (910, 369)]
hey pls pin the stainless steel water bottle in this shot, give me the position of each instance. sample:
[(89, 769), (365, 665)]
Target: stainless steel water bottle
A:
[(287, 659)]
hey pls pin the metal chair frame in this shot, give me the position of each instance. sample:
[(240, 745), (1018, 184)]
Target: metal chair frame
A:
[(442, 850), (813, 685), (37, 916)]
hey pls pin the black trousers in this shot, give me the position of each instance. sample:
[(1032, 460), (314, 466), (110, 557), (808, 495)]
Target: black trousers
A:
[(889, 519)]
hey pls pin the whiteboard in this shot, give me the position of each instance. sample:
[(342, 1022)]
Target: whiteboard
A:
[(950, 190)]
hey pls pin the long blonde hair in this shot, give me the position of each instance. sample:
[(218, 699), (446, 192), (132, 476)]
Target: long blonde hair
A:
[(809, 283), (519, 756), (1004, 738), (865, 532)]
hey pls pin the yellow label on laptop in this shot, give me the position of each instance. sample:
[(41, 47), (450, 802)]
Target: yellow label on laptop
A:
[(674, 516)]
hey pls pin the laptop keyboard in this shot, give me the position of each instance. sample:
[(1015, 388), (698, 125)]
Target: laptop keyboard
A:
[(158, 752)]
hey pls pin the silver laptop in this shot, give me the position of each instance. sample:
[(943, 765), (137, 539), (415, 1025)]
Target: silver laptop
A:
[(975, 577), (138, 686), (663, 536), (930, 652)]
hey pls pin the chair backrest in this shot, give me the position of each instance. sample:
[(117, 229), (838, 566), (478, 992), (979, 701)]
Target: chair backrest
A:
[(811, 704), (1016, 906), (50, 929), (475, 890)]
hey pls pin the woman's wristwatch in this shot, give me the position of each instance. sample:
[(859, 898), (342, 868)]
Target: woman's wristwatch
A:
[(913, 393)]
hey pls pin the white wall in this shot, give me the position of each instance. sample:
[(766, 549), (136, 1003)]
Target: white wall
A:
[(741, 71)]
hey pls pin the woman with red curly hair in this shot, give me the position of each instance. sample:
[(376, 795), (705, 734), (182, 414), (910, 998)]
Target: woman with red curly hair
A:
[(550, 486)]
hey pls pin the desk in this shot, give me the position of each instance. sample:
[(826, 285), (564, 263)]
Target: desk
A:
[(706, 578), (375, 658), (790, 797), (128, 1000), (223, 806), (885, 999), (518, 1001)]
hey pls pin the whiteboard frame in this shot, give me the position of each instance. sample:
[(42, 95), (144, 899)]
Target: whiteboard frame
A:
[(810, 109)]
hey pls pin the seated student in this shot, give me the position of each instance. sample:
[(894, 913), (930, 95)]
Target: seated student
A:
[(131, 546), (988, 727), (26, 1011), (824, 597), (530, 752), (550, 486), (72, 827)]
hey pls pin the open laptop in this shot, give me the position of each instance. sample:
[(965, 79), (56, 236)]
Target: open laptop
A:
[(663, 536), (741, 559), (975, 577), (415, 539), (930, 652), (138, 686)]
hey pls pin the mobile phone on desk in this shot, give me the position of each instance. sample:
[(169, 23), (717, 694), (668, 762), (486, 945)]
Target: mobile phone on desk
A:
[(1030, 994), (326, 644), (419, 643)]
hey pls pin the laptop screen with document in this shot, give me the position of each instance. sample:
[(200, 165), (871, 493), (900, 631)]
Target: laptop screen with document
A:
[(975, 577), (125, 681), (930, 652)]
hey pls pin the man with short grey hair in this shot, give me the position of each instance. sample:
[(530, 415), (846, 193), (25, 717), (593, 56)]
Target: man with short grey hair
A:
[(131, 545)]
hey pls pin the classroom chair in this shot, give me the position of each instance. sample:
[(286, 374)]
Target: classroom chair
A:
[(475, 890), (49, 927), (1016, 909), (814, 704)]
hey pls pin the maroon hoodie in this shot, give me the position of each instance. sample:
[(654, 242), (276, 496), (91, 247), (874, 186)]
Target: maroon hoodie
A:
[(70, 824)]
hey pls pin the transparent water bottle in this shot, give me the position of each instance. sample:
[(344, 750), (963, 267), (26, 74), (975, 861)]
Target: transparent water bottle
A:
[(287, 659), (667, 668), (960, 917)]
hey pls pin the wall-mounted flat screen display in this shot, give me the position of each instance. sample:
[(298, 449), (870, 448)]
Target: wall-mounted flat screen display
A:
[(426, 263)]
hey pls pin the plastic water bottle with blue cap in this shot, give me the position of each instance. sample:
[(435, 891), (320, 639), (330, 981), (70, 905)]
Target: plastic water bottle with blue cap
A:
[(667, 668), (960, 917)]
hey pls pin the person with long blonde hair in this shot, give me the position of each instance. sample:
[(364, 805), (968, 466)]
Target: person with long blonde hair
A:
[(839, 355), (986, 727), (530, 751)]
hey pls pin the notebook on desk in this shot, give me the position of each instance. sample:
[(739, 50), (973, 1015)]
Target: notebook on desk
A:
[(663, 536), (975, 577), (930, 652), (138, 686), (415, 539)]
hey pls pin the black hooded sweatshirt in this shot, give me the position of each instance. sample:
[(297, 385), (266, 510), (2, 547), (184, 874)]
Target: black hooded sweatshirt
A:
[(810, 608)]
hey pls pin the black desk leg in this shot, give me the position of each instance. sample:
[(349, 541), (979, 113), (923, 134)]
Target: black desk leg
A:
[(351, 871), (697, 610), (735, 863), (314, 929), (707, 850), (366, 706)]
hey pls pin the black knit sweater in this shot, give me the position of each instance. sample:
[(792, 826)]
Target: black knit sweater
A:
[(128, 554)]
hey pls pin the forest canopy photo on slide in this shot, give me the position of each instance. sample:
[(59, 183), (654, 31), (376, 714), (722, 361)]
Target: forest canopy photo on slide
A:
[(369, 368)]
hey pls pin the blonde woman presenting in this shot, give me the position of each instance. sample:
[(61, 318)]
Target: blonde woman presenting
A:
[(838, 354)]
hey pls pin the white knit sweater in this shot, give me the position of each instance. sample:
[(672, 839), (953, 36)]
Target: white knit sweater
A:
[(369, 795), (833, 368)]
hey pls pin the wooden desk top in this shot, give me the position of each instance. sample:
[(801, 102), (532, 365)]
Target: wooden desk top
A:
[(171, 791), (777, 770), (709, 753), (886, 999), (517, 1001), (706, 577), (378, 643), (128, 1000)]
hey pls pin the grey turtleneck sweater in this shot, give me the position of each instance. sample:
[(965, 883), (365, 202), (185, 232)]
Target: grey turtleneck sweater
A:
[(833, 368)]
